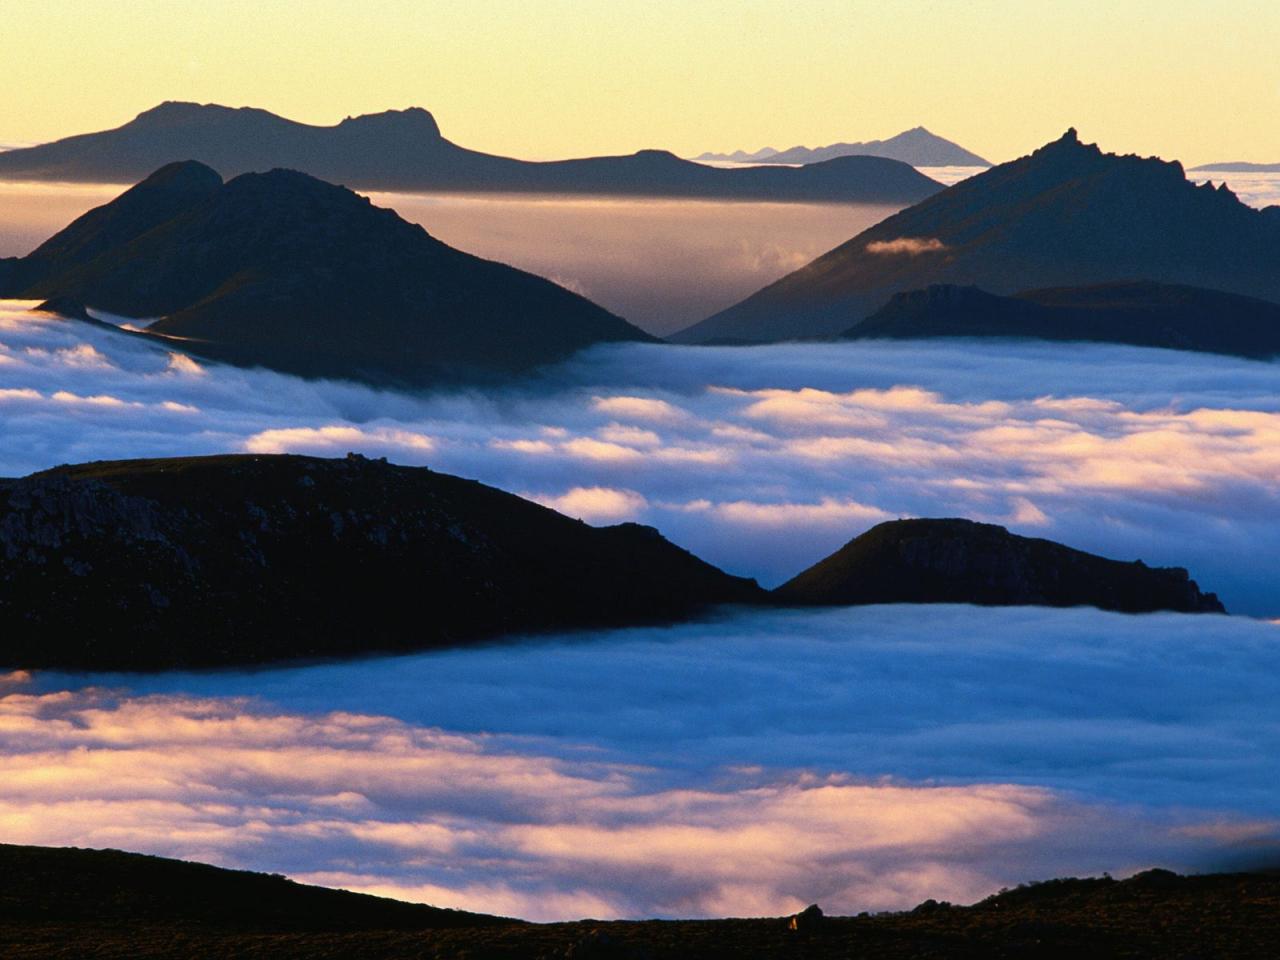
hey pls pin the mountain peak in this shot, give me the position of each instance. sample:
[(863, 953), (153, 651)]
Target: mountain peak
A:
[(411, 120)]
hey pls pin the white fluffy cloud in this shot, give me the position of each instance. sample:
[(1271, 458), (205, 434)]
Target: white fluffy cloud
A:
[(761, 460), (750, 764)]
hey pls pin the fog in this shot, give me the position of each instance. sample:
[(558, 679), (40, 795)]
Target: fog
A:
[(760, 459), (662, 264), (864, 758)]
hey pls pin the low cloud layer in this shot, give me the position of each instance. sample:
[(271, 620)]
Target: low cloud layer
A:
[(906, 247), (866, 759), (762, 459)]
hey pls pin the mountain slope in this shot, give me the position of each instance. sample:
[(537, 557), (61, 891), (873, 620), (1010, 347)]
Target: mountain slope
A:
[(916, 146), (285, 271), (404, 150), (1067, 215), (960, 561), (147, 564), (1141, 313)]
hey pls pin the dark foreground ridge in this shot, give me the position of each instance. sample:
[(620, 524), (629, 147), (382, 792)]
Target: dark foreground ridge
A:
[(404, 150), (285, 271), (149, 564), (105, 904), (1068, 215), (1142, 314), (225, 560), (960, 561)]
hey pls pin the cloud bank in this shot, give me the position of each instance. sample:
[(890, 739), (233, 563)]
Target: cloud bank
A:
[(866, 758), (761, 459)]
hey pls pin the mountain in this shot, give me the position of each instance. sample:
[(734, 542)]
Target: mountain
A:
[(960, 561), (284, 271), (148, 564), (1239, 166), (1143, 314), (99, 904), (405, 150), (916, 146), (67, 886), (1068, 215)]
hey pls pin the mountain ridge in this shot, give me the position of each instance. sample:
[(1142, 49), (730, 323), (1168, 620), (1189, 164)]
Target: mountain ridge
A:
[(405, 150), (917, 146), (1142, 313)]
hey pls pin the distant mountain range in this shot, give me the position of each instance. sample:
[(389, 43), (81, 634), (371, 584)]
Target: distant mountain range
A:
[(1239, 166), (284, 271), (404, 150), (153, 564), (1067, 215), (960, 561), (916, 146), (1141, 313)]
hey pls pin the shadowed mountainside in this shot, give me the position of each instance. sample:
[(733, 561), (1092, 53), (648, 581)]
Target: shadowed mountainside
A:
[(1068, 215), (960, 561), (284, 271), (1143, 314), (105, 904), (916, 146), (149, 564), (404, 150)]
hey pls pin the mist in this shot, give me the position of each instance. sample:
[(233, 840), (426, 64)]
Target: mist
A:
[(748, 764), (761, 460)]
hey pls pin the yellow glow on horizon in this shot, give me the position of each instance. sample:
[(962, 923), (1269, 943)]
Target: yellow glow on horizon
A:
[(1185, 79)]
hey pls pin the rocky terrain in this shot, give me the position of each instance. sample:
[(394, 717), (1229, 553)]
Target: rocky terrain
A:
[(405, 150), (149, 564), (960, 561), (1068, 215), (284, 271), (106, 904), (1142, 313)]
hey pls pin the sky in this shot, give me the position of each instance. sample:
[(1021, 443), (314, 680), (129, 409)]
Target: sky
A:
[(1185, 79)]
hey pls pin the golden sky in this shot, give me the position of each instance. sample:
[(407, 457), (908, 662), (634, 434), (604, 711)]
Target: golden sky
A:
[(1186, 79)]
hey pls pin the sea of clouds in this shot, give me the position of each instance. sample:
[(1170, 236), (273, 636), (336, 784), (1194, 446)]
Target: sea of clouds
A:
[(865, 758), (748, 764), (763, 459)]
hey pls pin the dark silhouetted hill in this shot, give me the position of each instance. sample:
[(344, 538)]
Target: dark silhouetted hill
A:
[(1068, 215), (960, 561), (1143, 314), (285, 271), (916, 146), (100, 904), (149, 564), (404, 150), (68, 885)]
